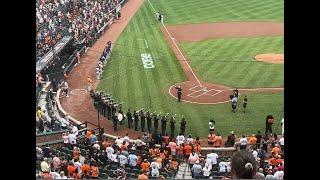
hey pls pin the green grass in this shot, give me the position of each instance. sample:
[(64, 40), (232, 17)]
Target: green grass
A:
[(231, 61), (202, 11), (128, 82)]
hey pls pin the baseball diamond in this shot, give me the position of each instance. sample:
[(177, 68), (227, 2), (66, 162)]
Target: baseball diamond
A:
[(208, 74)]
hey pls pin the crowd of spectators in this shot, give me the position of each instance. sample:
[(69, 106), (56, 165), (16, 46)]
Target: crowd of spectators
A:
[(80, 18)]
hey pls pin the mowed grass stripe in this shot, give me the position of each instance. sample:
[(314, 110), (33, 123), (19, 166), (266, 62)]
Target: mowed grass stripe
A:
[(201, 11)]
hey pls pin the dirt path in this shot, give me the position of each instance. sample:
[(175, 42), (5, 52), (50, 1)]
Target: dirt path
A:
[(195, 90), (199, 32), (81, 107)]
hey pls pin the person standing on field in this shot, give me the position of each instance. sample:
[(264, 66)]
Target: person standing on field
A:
[(245, 102), (269, 123)]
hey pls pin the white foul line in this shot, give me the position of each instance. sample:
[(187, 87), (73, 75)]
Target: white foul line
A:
[(177, 47)]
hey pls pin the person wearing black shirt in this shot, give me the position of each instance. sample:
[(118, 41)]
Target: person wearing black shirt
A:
[(129, 117), (115, 122), (109, 110), (231, 140), (245, 102), (155, 123), (183, 126), (149, 121), (136, 120), (179, 93), (172, 126), (163, 125), (259, 137), (236, 93), (143, 120), (269, 122)]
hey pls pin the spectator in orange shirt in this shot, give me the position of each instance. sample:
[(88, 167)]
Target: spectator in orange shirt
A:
[(179, 151), (217, 140), (253, 139), (94, 171), (123, 147), (76, 174), (211, 137), (71, 169), (85, 168), (197, 147), (187, 151), (276, 150), (142, 176), (145, 165)]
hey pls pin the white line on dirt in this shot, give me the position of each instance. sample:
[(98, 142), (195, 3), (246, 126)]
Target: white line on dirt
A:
[(172, 39)]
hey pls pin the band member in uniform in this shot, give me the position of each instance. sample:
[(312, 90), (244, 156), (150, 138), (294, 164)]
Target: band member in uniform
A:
[(149, 121), (115, 122), (179, 93), (143, 120), (136, 120), (234, 102), (156, 122), (212, 124), (183, 126), (163, 124), (129, 116), (172, 126), (121, 112), (109, 109), (245, 102)]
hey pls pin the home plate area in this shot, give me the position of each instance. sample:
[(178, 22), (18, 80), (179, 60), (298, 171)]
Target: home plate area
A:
[(198, 91)]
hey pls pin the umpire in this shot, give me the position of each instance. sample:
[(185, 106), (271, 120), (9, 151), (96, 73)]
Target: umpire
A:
[(179, 93), (129, 116), (136, 120), (172, 126), (149, 121)]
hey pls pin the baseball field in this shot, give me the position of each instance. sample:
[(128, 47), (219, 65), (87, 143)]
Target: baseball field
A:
[(149, 58)]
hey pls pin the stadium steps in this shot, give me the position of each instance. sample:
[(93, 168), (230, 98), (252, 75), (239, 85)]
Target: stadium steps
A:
[(183, 171)]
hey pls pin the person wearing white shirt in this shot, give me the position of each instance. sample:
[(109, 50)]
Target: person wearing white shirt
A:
[(75, 130), (118, 142), (55, 175), (213, 156), (243, 142), (180, 139), (114, 158), (62, 176), (255, 154), (190, 140), (123, 160), (78, 165), (64, 123), (133, 160), (208, 162), (224, 167), (206, 170), (154, 169), (281, 142), (126, 138), (109, 151), (72, 139), (278, 175)]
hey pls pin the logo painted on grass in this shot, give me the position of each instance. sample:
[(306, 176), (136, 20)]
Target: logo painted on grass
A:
[(147, 61)]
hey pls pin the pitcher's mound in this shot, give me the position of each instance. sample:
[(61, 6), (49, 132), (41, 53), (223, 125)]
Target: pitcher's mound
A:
[(270, 58)]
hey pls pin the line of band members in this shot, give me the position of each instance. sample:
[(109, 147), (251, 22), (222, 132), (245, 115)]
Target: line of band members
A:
[(112, 110)]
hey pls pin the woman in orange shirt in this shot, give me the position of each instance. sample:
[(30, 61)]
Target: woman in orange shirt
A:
[(179, 150), (197, 147), (217, 141), (71, 169)]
